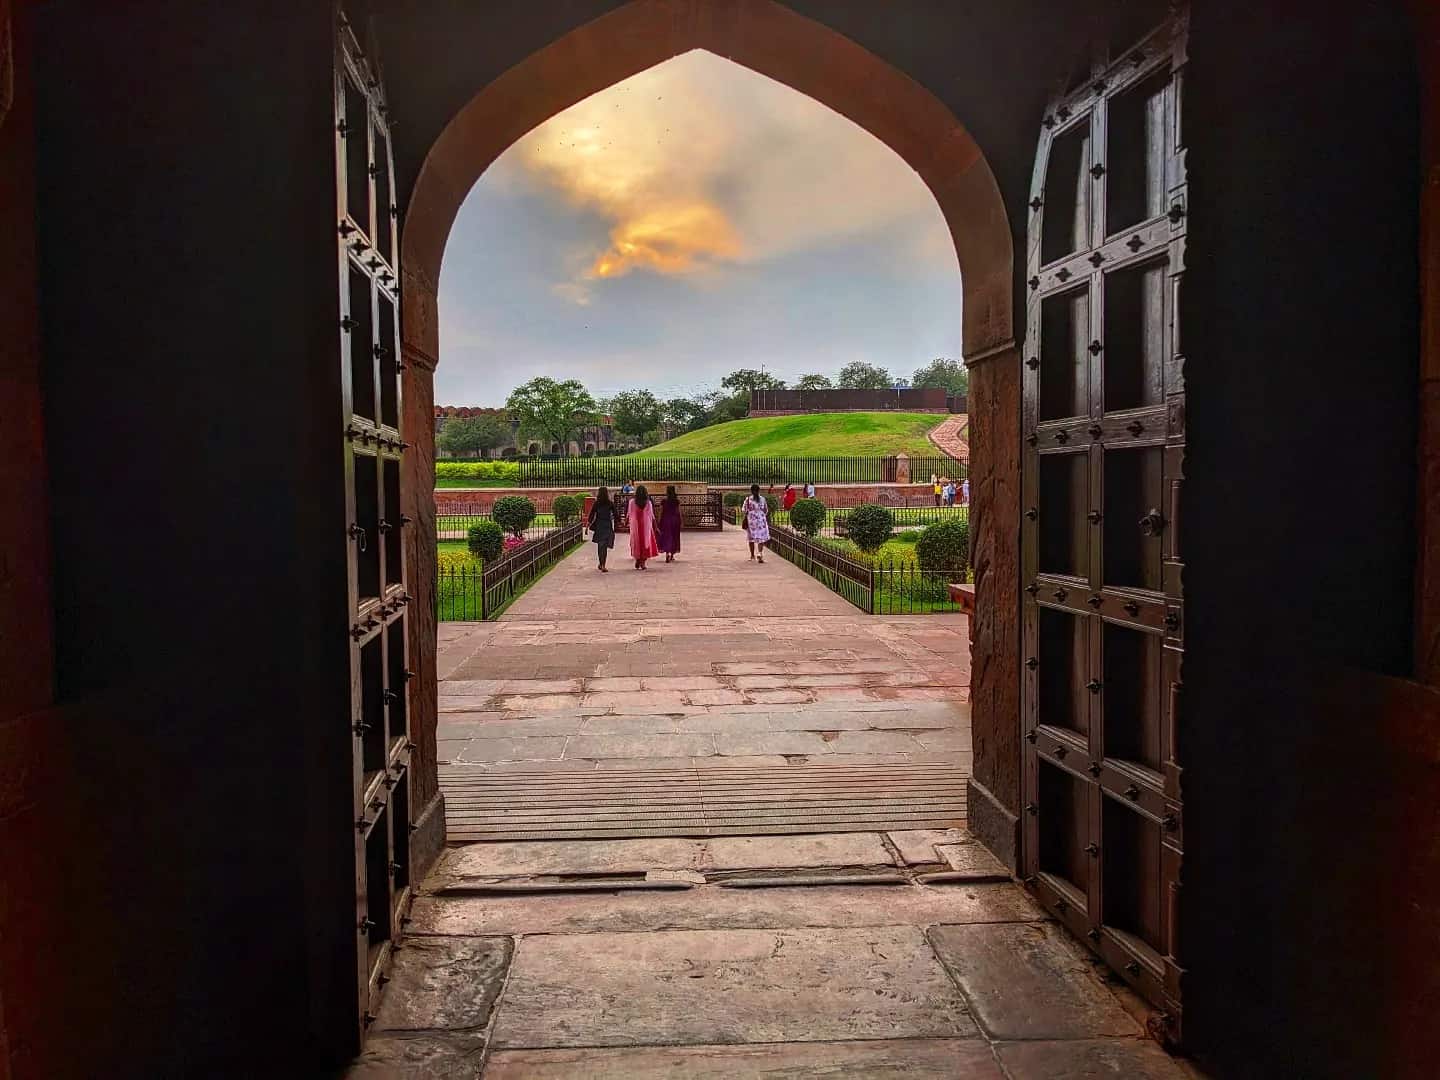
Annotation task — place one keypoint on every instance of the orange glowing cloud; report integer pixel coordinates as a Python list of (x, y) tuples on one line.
[(669, 240)]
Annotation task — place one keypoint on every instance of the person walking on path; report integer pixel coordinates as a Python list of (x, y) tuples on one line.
[(757, 523), (788, 499), (965, 492), (809, 490), (602, 522), (669, 528), (642, 527), (935, 483)]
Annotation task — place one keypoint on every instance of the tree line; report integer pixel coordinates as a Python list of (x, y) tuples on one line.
[(555, 411)]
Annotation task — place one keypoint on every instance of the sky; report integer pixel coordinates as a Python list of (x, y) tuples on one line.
[(693, 219)]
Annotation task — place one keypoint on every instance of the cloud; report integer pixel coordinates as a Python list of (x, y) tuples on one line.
[(697, 163)]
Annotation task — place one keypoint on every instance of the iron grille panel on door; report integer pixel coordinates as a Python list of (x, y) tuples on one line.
[(375, 529), (1103, 419)]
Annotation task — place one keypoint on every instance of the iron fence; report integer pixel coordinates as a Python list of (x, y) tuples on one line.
[(481, 593), (580, 471), (879, 585), (456, 523), (697, 511)]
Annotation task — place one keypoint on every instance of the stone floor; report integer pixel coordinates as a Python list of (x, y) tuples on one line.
[(741, 958), (888, 954), (712, 658)]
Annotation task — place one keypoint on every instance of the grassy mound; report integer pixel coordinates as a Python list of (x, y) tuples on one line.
[(871, 434)]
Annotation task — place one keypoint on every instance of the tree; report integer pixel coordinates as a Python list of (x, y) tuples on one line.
[(472, 435), (814, 382), (679, 414), (635, 412), (747, 379), (550, 409), (858, 376), (950, 375)]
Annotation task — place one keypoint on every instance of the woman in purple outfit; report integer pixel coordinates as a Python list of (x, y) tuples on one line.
[(669, 526)]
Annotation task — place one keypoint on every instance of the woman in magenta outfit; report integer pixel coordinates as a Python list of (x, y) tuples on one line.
[(642, 528), (669, 527)]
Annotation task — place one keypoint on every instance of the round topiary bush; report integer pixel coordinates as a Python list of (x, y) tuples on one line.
[(566, 508), (513, 513), (944, 546), (808, 515), (869, 526), (485, 540)]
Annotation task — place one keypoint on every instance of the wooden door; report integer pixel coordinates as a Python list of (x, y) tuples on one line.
[(1104, 427), (371, 446)]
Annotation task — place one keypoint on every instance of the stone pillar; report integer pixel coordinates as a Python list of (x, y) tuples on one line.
[(902, 468)]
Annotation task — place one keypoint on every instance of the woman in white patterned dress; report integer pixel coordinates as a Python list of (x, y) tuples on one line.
[(757, 523)]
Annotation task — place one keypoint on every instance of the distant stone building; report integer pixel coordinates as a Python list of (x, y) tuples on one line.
[(791, 402), (592, 438)]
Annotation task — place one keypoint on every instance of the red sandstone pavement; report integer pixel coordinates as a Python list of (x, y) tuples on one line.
[(951, 438), (711, 659)]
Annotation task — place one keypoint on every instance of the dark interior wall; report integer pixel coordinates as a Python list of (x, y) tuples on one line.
[(189, 310), (1300, 330)]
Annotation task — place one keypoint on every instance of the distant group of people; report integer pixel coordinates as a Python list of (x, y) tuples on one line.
[(652, 531), (656, 530), (946, 491), (788, 497)]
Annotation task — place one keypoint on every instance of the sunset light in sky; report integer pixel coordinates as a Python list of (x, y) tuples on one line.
[(687, 221)]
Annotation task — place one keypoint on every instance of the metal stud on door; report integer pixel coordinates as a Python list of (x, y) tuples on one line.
[(1102, 609), (374, 528)]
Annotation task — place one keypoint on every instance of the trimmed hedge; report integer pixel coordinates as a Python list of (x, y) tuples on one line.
[(479, 473), (869, 526), (566, 508), (808, 516), (513, 513), (944, 545), (485, 540)]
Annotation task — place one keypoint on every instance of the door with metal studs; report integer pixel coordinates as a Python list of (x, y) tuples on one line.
[(1104, 429), (369, 428)]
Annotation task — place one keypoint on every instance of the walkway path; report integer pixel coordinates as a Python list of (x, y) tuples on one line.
[(710, 657), (951, 437), (891, 952)]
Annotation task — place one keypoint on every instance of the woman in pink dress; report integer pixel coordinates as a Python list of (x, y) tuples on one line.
[(642, 528)]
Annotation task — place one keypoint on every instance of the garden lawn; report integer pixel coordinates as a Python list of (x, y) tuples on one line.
[(872, 434)]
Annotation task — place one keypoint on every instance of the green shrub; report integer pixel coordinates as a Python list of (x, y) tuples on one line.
[(566, 508), (733, 499), (485, 540), (483, 473), (944, 545), (909, 536), (513, 513), (869, 526), (808, 515)]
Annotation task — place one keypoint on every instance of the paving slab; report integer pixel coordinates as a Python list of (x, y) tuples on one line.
[(890, 1059), (973, 859), (917, 846), (804, 851), (520, 858), (727, 986), (716, 908), (1030, 982), (444, 983), (874, 742), (641, 746), (1098, 1059), (426, 1056), (632, 725), (770, 742), (722, 720), (540, 748)]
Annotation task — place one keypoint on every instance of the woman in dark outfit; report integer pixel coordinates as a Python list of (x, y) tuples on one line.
[(669, 527), (602, 522)]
